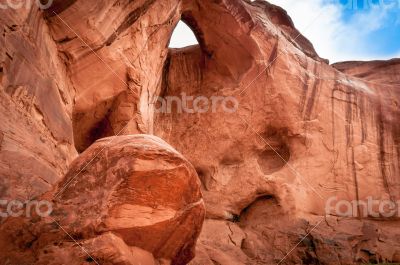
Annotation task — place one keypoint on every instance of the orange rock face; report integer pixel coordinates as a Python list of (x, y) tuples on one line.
[(138, 188), (137, 192), (36, 102), (299, 160)]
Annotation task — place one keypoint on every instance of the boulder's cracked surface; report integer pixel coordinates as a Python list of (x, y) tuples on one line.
[(137, 191), (302, 132)]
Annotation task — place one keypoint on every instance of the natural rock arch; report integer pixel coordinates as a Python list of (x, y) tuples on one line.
[(182, 36)]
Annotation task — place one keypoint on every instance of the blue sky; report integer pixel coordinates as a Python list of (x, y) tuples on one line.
[(385, 40), (341, 30)]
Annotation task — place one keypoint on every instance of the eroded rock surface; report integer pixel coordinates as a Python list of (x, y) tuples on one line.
[(303, 132), (138, 192), (36, 101), (382, 72)]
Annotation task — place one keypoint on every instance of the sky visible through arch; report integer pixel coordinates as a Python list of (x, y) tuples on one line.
[(341, 30), (182, 36)]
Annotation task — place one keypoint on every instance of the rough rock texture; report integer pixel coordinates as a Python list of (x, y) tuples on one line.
[(382, 72), (117, 84), (36, 101), (304, 131), (138, 192)]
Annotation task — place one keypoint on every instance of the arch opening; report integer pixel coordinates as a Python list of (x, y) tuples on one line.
[(182, 36)]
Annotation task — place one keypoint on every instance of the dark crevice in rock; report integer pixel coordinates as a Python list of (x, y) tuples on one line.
[(165, 75), (100, 130), (203, 177), (206, 177), (9, 56), (189, 20), (215, 262), (309, 256), (58, 6), (66, 39), (91, 126), (130, 20), (259, 203), (257, 219), (13, 27)]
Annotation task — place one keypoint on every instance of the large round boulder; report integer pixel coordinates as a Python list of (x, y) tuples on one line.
[(138, 188)]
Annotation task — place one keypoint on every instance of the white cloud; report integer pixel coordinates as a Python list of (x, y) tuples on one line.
[(321, 21), (323, 24)]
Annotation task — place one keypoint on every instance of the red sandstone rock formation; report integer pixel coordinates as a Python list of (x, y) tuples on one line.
[(304, 132), (122, 193)]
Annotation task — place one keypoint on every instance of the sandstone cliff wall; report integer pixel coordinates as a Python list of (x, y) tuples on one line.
[(301, 131)]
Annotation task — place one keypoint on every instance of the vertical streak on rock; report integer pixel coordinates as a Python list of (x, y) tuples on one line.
[(311, 101), (335, 87), (355, 177), (273, 56), (1, 74), (396, 139), (163, 92), (165, 75), (305, 89), (364, 128), (351, 98), (1, 139), (349, 116), (381, 144)]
